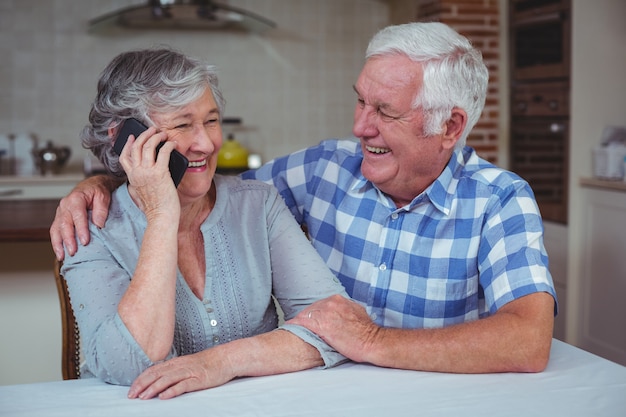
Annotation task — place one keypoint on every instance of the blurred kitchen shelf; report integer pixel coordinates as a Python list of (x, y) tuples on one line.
[(606, 184)]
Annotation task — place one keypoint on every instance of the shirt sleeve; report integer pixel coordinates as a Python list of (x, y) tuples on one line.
[(300, 278), (96, 284), (512, 258)]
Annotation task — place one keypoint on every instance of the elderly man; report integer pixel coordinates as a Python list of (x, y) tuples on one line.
[(441, 251)]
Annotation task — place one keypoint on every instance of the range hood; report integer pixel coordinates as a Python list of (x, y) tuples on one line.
[(183, 14)]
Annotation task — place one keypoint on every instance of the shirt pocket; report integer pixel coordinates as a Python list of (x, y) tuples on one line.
[(439, 302)]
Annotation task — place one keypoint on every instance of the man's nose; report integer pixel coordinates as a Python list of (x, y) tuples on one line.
[(364, 122)]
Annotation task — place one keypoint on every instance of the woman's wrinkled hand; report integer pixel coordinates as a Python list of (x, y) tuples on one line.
[(151, 184), (179, 375)]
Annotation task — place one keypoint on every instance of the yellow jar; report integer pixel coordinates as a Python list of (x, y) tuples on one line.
[(232, 154)]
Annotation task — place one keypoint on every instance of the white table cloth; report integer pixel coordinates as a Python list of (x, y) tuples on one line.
[(576, 383)]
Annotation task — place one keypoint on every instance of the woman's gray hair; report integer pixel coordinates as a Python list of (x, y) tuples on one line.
[(139, 83), (454, 72)]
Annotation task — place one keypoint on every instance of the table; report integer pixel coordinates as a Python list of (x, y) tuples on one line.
[(576, 383)]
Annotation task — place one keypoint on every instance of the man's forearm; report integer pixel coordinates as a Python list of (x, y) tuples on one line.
[(505, 342), (108, 181)]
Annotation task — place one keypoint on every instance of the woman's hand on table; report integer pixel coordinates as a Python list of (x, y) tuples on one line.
[(182, 374), (270, 353)]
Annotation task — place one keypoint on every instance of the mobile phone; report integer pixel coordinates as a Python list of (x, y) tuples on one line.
[(178, 162)]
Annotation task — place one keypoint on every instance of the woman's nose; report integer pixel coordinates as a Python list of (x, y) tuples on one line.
[(207, 139)]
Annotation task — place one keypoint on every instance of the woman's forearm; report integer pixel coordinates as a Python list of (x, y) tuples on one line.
[(270, 353), (148, 306)]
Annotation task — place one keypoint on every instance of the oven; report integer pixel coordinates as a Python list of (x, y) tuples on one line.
[(540, 89), (539, 143), (539, 149), (541, 46)]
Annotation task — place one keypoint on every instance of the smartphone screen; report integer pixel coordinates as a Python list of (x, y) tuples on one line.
[(178, 162)]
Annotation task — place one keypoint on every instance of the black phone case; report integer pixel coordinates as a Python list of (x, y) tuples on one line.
[(178, 162)]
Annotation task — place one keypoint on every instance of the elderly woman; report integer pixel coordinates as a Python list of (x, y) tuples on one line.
[(177, 292)]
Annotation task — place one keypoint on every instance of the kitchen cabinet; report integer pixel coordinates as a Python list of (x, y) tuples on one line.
[(30, 316), (26, 220), (602, 306)]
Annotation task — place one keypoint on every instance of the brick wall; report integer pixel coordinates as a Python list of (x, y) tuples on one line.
[(478, 21)]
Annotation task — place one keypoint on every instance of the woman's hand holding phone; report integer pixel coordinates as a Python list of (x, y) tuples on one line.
[(148, 173), (177, 163)]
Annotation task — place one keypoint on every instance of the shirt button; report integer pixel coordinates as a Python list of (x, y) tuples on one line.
[(209, 310), (374, 316), (216, 339), (394, 216), (213, 322), (382, 267)]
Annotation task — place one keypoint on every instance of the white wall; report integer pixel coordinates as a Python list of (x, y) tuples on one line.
[(598, 99), (291, 85)]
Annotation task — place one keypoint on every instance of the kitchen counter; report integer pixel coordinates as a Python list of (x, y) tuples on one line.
[(28, 205), (26, 220), (605, 184), (38, 187)]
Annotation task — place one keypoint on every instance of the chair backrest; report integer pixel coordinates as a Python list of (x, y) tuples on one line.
[(70, 354)]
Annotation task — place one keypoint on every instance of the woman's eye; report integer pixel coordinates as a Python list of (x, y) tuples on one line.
[(211, 121)]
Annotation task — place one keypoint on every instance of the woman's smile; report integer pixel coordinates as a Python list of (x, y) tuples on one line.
[(197, 164)]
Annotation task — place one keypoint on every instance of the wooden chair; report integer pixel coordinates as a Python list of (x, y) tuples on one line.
[(70, 354)]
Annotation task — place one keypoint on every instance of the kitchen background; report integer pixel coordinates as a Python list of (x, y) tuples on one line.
[(292, 87)]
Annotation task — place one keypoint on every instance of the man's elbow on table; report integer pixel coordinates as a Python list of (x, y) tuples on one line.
[(534, 358), (533, 336)]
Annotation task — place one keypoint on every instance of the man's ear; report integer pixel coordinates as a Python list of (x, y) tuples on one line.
[(454, 128)]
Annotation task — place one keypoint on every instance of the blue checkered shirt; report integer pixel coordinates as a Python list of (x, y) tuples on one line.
[(466, 246)]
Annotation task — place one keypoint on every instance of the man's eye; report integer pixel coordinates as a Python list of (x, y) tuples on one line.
[(361, 102), (182, 126), (212, 121), (384, 116)]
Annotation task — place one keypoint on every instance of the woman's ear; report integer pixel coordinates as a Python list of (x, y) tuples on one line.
[(454, 128)]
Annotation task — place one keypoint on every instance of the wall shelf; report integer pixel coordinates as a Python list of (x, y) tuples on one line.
[(605, 184)]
